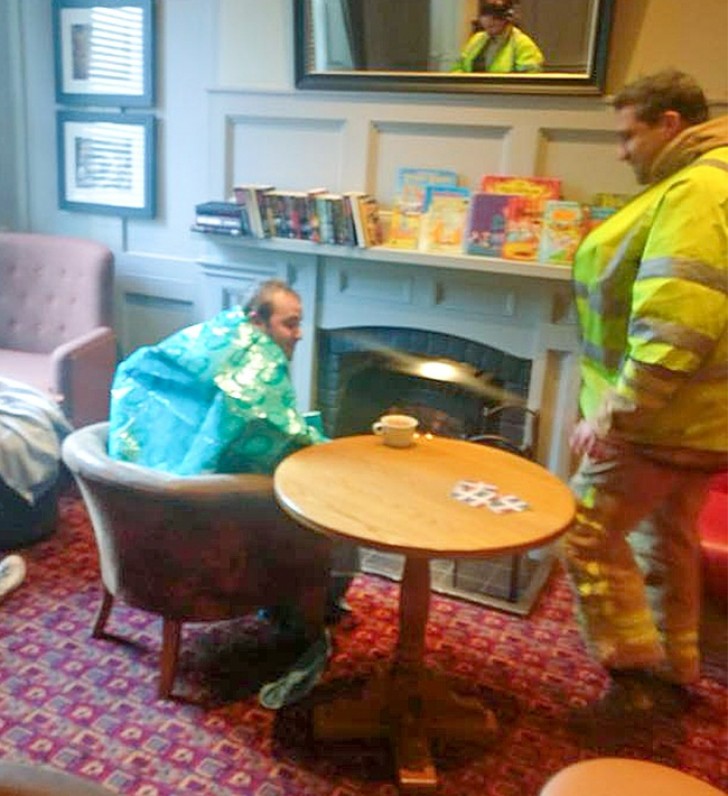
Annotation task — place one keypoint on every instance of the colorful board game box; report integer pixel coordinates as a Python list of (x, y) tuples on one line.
[(538, 188), (486, 226)]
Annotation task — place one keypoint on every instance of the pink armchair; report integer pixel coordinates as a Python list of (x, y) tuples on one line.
[(56, 297)]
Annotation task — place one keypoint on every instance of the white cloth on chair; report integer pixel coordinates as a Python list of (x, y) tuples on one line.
[(32, 428)]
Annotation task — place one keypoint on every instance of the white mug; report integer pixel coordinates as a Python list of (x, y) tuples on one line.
[(397, 431)]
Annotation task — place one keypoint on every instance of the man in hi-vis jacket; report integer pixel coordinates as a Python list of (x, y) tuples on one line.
[(651, 286)]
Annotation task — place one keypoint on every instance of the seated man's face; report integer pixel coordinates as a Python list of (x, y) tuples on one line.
[(284, 324)]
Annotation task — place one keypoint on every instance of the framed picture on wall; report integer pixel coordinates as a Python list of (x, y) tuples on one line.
[(106, 163), (104, 52)]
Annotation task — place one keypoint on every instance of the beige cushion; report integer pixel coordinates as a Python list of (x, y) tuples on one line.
[(20, 779), (614, 776)]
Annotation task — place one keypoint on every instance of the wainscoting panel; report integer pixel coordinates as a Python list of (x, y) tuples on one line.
[(469, 150), (564, 153), (385, 284), (149, 310), (302, 153)]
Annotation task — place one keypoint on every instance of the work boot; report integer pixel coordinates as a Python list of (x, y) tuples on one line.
[(634, 701)]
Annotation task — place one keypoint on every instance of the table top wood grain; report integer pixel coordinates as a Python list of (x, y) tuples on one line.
[(400, 499)]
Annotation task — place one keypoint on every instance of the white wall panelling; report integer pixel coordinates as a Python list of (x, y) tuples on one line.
[(302, 153)]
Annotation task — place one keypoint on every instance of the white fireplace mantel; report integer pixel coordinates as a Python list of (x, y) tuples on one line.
[(521, 308)]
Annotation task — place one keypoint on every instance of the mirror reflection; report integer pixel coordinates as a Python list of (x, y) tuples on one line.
[(459, 40)]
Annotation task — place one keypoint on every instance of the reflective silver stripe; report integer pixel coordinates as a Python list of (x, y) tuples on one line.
[(606, 298), (713, 162), (603, 303), (673, 334), (690, 270), (611, 358), (609, 306), (648, 395), (641, 379)]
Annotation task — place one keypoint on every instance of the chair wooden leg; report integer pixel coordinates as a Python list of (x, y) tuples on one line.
[(103, 614), (171, 632)]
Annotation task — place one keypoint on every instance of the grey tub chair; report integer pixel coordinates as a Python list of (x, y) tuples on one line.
[(193, 549)]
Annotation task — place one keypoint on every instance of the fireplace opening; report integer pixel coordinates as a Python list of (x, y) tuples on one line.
[(376, 386), (447, 382)]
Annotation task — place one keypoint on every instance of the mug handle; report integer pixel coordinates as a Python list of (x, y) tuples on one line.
[(378, 427)]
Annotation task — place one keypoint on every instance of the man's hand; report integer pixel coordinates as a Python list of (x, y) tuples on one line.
[(585, 439)]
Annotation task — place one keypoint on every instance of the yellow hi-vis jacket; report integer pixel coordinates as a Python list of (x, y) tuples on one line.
[(517, 53), (651, 287)]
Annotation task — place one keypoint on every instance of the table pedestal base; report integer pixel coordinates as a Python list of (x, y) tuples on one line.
[(409, 708)]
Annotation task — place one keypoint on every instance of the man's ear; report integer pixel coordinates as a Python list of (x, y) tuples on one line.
[(673, 123)]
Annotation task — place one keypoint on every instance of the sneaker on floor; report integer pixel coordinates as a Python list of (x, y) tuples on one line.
[(12, 574)]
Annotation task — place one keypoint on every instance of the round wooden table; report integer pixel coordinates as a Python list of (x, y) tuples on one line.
[(400, 500)]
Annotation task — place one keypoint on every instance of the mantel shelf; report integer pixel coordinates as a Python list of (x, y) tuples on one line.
[(384, 254)]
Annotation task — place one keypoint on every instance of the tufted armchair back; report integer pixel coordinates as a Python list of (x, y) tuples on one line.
[(53, 290), (56, 296)]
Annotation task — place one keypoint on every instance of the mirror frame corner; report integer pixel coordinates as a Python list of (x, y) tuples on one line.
[(591, 83)]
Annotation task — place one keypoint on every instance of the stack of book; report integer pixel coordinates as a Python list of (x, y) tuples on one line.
[(222, 217)]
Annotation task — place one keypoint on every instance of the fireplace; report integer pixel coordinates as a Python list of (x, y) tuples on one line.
[(472, 390)]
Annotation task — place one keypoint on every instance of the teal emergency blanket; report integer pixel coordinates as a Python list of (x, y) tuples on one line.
[(213, 398)]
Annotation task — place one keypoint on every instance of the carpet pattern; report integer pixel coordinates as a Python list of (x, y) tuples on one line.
[(89, 706)]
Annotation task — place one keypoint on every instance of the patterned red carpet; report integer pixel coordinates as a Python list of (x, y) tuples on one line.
[(90, 707)]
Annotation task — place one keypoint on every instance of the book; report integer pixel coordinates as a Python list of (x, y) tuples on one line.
[(598, 214), (215, 230), (523, 228), (561, 232), (352, 198), (412, 182), (314, 230), (443, 223), (248, 197), (371, 223), (485, 230), (610, 200), (229, 209), (404, 229), (336, 225), (220, 216), (540, 189)]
